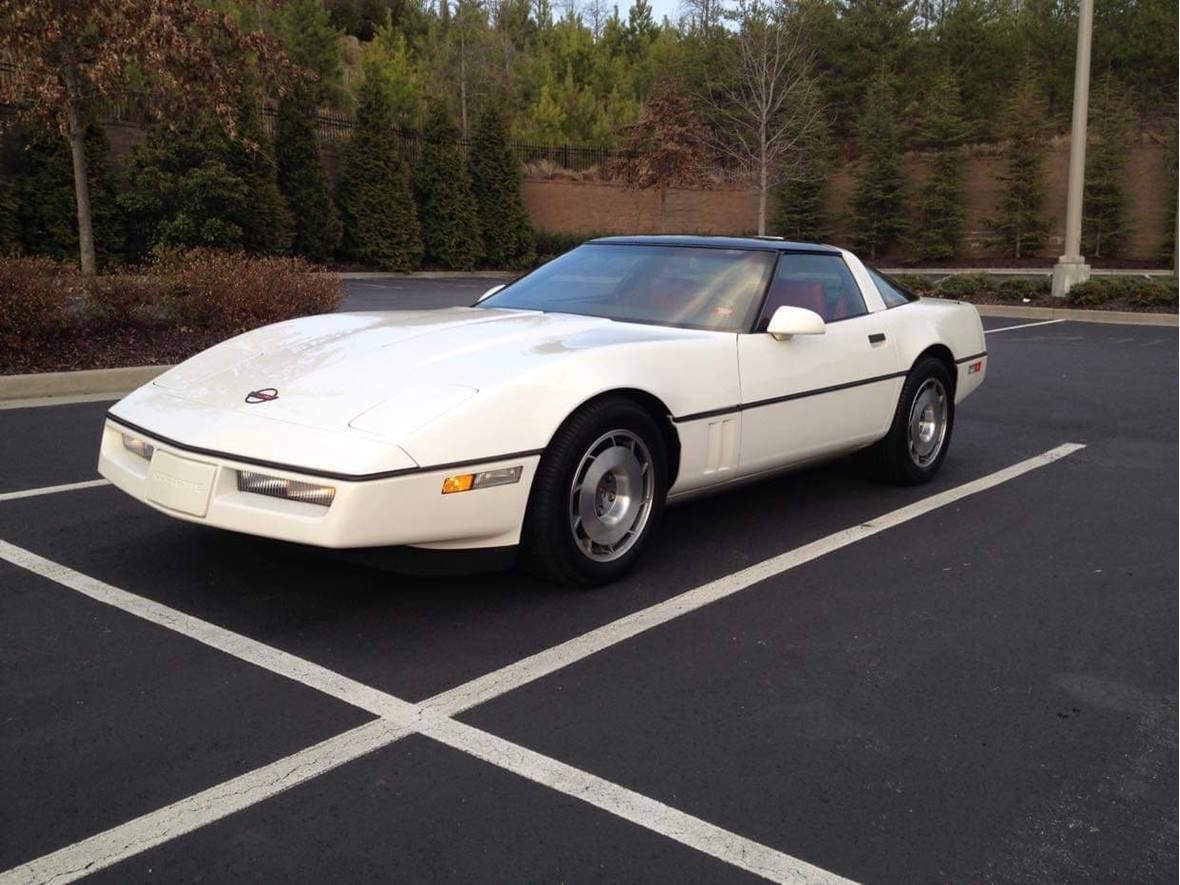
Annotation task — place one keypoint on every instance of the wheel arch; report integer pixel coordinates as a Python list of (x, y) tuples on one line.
[(655, 407), (943, 354)]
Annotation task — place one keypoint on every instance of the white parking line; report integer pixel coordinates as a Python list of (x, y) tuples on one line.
[(432, 717), (175, 820), (53, 490), (512, 676), (1021, 326), (651, 814)]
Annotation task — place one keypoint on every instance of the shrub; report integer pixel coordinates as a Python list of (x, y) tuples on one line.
[(124, 298), (36, 299), (231, 293), (965, 285), (1105, 291), (1019, 289), (915, 283)]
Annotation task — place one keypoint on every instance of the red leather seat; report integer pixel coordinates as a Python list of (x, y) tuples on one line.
[(794, 293)]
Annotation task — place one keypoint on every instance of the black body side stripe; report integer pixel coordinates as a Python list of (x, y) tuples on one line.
[(974, 356), (311, 471), (741, 407)]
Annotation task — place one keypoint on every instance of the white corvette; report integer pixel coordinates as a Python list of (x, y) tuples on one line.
[(559, 413)]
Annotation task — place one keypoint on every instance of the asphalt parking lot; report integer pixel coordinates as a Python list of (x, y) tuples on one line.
[(813, 678)]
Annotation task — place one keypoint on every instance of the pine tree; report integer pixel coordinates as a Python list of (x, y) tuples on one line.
[(878, 199), (302, 179), (802, 201), (1104, 224), (195, 186), (372, 190), (496, 185), (312, 42), (48, 210), (942, 132), (268, 227), (1019, 227), (442, 190)]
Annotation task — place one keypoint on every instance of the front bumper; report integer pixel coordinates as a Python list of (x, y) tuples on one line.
[(409, 509)]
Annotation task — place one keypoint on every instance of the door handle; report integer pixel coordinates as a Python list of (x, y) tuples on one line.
[(876, 338)]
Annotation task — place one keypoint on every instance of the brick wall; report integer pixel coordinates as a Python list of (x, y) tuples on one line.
[(604, 207)]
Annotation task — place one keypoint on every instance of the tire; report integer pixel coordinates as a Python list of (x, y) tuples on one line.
[(594, 505), (920, 435)]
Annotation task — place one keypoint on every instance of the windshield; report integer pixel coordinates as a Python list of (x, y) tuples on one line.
[(697, 288)]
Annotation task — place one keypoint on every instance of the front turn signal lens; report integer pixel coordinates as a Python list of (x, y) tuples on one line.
[(465, 482), (461, 483)]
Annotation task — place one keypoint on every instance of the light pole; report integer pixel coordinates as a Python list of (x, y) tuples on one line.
[(1071, 268)]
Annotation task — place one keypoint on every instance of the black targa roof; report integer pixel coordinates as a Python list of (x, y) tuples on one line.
[(765, 244)]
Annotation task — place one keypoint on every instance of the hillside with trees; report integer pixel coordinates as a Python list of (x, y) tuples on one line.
[(777, 95)]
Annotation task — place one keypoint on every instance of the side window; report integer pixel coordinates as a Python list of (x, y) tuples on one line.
[(891, 293), (815, 281)]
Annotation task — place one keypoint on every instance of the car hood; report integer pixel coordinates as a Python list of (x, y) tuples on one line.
[(383, 374)]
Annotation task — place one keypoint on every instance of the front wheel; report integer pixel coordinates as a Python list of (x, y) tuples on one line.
[(598, 495), (918, 440)]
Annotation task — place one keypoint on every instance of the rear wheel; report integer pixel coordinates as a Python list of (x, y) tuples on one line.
[(598, 495), (918, 440)]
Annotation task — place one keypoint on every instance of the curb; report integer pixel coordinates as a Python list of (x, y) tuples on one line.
[(45, 385), (1111, 317), (1025, 271), (430, 275)]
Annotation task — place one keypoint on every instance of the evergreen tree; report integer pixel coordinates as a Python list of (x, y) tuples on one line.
[(302, 179), (9, 217), (268, 227), (878, 199), (194, 186), (48, 209), (1019, 226), (942, 133), (442, 189), (496, 185), (372, 190), (1104, 224), (312, 42), (802, 213)]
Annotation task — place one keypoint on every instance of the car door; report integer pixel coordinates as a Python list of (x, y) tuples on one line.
[(811, 396)]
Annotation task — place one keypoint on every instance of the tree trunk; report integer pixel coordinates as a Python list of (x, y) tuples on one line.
[(81, 188), (762, 173)]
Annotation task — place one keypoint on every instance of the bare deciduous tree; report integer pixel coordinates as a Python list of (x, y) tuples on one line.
[(768, 113), (703, 14), (597, 12)]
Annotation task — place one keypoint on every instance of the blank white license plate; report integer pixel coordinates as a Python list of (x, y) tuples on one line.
[(180, 483)]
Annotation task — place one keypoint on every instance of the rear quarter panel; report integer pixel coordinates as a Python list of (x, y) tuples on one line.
[(956, 325)]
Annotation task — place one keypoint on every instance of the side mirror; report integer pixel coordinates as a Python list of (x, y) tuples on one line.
[(788, 321), (490, 292)]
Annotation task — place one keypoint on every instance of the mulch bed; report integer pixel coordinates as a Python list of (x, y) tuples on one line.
[(103, 347)]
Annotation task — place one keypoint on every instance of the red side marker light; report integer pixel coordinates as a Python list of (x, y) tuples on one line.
[(976, 366)]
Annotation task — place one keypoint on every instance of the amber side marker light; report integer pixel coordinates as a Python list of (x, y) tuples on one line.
[(465, 482)]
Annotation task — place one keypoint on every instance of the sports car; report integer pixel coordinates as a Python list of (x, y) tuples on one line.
[(559, 414)]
